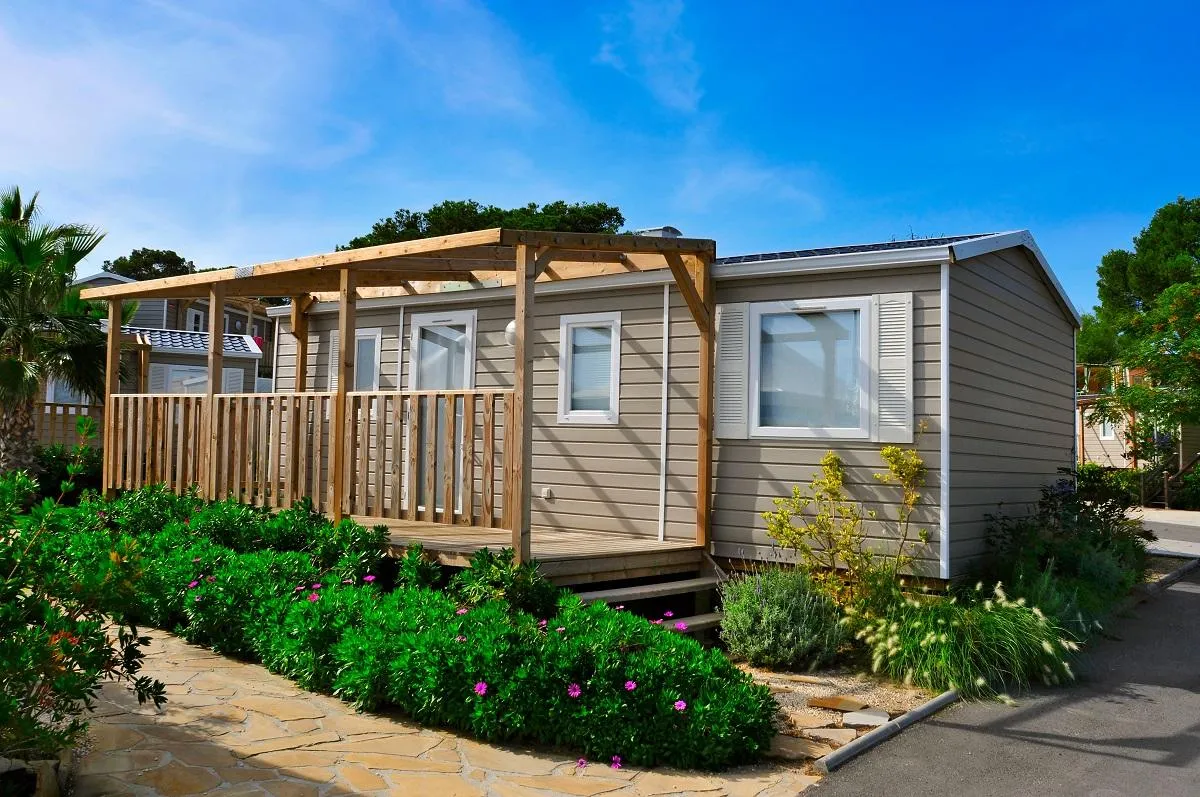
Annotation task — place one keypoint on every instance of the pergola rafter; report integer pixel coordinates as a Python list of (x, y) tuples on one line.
[(493, 257)]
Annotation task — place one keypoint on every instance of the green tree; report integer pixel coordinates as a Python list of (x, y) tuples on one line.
[(46, 330), (1096, 341), (145, 264), (455, 216)]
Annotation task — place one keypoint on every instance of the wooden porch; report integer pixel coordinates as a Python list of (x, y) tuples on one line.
[(451, 469)]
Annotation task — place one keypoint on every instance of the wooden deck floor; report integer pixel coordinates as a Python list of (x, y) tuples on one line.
[(566, 557)]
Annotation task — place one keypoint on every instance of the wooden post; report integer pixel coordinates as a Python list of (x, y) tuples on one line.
[(337, 455), (216, 361), (112, 376), (704, 412), (143, 367), (521, 461), (300, 331)]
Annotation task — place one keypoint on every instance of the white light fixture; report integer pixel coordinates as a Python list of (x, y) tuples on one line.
[(510, 333)]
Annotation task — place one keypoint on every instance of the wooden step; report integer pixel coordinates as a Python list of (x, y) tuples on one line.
[(698, 623), (646, 591)]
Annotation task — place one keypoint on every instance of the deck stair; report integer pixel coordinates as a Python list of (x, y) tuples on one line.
[(703, 586)]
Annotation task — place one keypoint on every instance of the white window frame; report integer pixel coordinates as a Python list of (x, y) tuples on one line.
[(369, 333), (566, 325), (866, 381), (418, 321), (1106, 431), (194, 315)]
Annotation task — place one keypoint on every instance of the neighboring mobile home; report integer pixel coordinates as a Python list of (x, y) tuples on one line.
[(961, 346)]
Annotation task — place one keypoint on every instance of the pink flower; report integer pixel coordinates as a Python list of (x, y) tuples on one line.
[(460, 612), (193, 585), (616, 762), (347, 581), (313, 597), (619, 607), (574, 691), (560, 629), (581, 763), (680, 705), (368, 579), (630, 686), (656, 622), (668, 614), (197, 559), (197, 599), (316, 586), (681, 626), (298, 589), (460, 638), (481, 688), (542, 623)]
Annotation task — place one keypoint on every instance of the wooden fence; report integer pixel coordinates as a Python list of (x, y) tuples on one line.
[(54, 422), (433, 456)]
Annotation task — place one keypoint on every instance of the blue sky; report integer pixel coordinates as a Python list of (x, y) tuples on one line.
[(238, 132)]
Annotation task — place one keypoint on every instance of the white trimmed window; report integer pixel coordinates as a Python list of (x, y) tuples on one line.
[(59, 392), (589, 368), (367, 345), (442, 351), (834, 369), (1106, 431), (195, 320)]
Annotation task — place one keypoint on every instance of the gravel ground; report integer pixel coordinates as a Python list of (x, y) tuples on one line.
[(793, 690)]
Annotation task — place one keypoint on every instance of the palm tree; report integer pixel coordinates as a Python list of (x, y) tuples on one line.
[(46, 330)]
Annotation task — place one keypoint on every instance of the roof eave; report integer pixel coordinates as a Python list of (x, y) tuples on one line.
[(1017, 239)]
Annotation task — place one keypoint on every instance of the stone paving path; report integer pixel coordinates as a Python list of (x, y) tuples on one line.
[(233, 728)]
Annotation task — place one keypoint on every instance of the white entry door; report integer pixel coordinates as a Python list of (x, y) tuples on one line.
[(441, 357)]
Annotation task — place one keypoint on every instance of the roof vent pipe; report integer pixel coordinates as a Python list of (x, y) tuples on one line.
[(660, 232)]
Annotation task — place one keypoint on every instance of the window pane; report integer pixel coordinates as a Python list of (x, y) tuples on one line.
[(809, 370), (591, 368), (441, 357), (62, 393), (364, 364)]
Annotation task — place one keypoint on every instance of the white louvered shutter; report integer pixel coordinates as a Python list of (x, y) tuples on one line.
[(334, 358), (232, 380), (732, 388), (894, 368), (157, 382)]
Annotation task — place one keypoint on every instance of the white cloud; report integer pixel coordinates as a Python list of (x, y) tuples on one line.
[(646, 42)]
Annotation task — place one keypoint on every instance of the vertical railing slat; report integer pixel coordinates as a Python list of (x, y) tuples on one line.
[(467, 469), (488, 509)]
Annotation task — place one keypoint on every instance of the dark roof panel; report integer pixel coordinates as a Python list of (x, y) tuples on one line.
[(883, 246), (182, 340)]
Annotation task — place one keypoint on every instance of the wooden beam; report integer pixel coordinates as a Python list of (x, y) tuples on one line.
[(521, 474), (143, 369), (689, 289), (704, 413), (216, 360), (337, 455), (612, 243), (112, 384), (299, 324)]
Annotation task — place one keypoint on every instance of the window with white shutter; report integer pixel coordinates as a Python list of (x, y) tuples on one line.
[(732, 370), (157, 383), (589, 368), (894, 368), (334, 360), (232, 380)]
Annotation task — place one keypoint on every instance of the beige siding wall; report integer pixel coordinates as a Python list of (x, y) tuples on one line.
[(750, 473), (1012, 394), (1107, 452)]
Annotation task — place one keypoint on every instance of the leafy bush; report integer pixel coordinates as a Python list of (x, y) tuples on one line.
[(976, 646), (1125, 483), (149, 510), (52, 464), (495, 576), (776, 617), (601, 681), (232, 524), (417, 569)]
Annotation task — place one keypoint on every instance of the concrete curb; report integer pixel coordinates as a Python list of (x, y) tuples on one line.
[(1153, 588), (829, 763)]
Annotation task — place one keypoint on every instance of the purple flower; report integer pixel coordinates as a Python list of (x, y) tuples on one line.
[(193, 585), (574, 691), (460, 612), (347, 581), (680, 705), (668, 614), (616, 762), (316, 586), (581, 763), (460, 638), (541, 623), (197, 599), (368, 579), (656, 622), (630, 686), (481, 688), (681, 626), (313, 597), (298, 589)]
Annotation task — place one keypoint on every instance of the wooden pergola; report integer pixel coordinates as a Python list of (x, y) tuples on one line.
[(486, 258)]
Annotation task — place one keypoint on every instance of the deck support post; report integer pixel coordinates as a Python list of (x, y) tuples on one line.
[(210, 460), (704, 414), (338, 430), (112, 378), (521, 458), (300, 331), (143, 369)]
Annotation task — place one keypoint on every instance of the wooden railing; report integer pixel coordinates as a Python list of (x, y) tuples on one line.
[(54, 422), (403, 458)]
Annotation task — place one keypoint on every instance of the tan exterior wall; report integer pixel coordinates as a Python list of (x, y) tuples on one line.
[(1107, 452), (1012, 394)]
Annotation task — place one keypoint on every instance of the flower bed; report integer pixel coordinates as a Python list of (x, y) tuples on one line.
[(311, 601)]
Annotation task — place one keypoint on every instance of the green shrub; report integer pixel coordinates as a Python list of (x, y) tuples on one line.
[(295, 528), (232, 524), (496, 576), (148, 510), (598, 680), (776, 617), (52, 464), (349, 549), (417, 569), (1124, 483), (976, 646)]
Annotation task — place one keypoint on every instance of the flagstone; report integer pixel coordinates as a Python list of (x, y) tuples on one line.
[(360, 778), (794, 748), (434, 786), (176, 779), (257, 728), (651, 783), (112, 737), (285, 743), (247, 773), (291, 788), (837, 703), (399, 763), (201, 754), (408, 744), (834, 736), (313, 774), (353, 724), (791, 786), (121, 761), (278, 708), (568, 784), (286, 759), (302, 726), (497, 759)]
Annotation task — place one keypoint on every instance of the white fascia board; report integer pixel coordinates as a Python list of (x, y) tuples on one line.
[(846, 261), (1008, 240), (102, 274), (229, 355)]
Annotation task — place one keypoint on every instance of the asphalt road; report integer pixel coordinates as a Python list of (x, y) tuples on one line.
[(1131, 726)]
